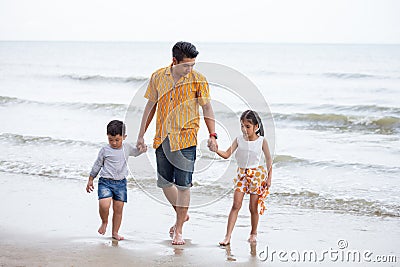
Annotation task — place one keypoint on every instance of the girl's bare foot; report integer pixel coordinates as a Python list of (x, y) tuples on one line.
[(252, 238), (118, 237), (178, 239), (172, 229), (103, 228), (226, 241)]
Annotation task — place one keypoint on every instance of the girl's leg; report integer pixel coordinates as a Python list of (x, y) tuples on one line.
[(237, 204), (118, 206), (104, 207), (253, 206)]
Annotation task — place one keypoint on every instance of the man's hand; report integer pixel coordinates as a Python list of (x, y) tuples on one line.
[(140, 145), (212, 144)]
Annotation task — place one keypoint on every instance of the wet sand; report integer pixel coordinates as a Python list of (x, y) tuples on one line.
[(54, 222)]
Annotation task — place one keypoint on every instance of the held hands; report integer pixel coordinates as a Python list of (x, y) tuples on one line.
[(140, 145), (212, 144)]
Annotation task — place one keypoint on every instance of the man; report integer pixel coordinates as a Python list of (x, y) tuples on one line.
[(176, 92)]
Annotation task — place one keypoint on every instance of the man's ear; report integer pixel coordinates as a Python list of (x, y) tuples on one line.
[(174, 61)]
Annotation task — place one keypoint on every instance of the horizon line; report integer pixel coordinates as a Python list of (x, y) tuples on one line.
[(205, 42)]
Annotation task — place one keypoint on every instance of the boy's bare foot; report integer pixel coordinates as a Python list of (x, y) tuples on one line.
[(178, 239), (225, 242), (252, 238), (102, 229), (172, 229), (118, 237)]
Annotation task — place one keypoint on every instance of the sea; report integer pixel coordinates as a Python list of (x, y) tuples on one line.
[(331, 114)]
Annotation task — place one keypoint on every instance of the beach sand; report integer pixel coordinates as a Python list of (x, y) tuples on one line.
[(54, 222)]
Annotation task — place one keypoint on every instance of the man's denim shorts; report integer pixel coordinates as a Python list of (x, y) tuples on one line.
[(175, 167), (112, 188)]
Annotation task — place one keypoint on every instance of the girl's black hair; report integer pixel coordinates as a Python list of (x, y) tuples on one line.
[(184, 49), (253, 117), (116, 127)]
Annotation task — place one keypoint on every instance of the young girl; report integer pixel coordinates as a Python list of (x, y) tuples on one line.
[(252, 178)]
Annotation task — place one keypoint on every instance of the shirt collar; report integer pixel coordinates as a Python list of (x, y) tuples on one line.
[(168, 72)]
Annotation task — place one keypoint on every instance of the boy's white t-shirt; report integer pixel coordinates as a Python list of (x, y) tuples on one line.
[(249, 153), (111, 162)]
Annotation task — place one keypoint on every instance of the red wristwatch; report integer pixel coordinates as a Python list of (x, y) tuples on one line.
[(215, 135)]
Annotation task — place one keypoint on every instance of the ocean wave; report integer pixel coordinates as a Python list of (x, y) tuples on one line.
[(102, 78), (288, 160), (332, 75), (314, 121), (213, 192), (314, 200), (346, 76), (367, 109), (5, 100), (44, 140), (113, 107), (49, 170)]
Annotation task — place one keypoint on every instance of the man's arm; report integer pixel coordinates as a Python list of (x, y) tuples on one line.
[(148, 114), (209, 119)]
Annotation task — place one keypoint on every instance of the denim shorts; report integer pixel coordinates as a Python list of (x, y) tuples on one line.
[(112, 188), (175, 167)]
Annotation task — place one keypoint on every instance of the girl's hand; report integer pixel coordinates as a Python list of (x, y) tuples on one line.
[(268, 182)]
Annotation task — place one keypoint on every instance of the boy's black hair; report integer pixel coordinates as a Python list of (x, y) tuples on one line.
[(252, 116), (116, 127), (184, 49)]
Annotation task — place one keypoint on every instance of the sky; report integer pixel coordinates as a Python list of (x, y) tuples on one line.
[(278, 21)]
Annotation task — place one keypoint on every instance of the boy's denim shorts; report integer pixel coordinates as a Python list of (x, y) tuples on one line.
[(175, 167), (112, 188)]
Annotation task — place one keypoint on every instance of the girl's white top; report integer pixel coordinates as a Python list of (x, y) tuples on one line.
[(249, 153)]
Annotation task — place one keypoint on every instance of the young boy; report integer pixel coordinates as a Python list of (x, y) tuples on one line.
[(112, 165)]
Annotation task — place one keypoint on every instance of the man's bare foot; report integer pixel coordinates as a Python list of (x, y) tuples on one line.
[(172, 229), (118, 237), (103, 228), (226, 241), (178, 239), (252, 238)]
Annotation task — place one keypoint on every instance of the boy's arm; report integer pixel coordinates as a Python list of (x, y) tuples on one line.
[(226, 154), (95, 170), (268, 159), (134, 151)]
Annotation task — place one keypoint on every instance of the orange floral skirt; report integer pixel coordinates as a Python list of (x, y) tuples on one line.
[(253, 181)]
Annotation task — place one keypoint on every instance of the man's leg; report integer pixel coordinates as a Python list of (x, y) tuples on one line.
[(182, 207), (171, 193)]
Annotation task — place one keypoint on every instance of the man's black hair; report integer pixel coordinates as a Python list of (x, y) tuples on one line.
[(184, 49)]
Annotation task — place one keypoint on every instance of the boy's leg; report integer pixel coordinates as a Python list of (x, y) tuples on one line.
[(118, 207), (253, 206), (233, 214), (104, 207)]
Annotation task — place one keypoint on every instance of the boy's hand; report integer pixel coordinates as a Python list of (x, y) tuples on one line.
[(89, 186)]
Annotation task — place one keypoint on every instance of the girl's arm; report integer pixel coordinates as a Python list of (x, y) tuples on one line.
[(226, 154), (268, 159)]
